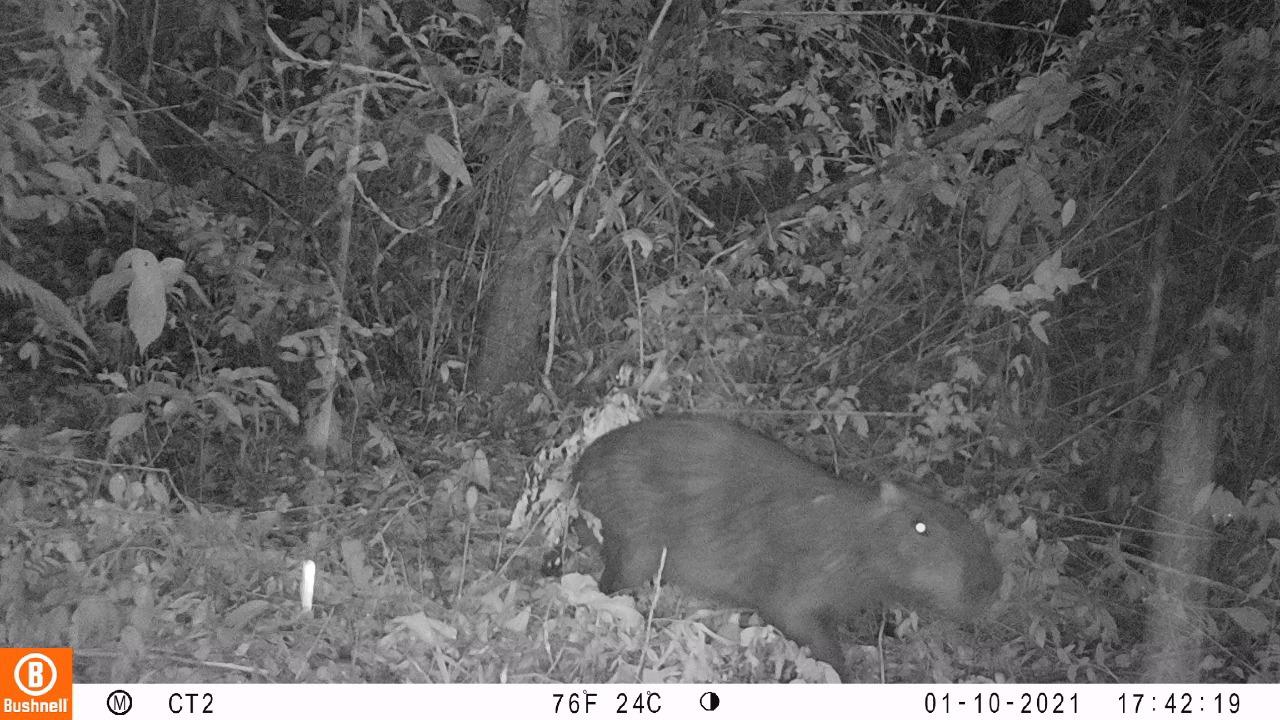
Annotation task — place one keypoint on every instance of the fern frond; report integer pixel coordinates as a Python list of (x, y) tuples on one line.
[(47, 305)]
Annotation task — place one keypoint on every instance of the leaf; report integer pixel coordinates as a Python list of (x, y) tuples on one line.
[(238, 329), (171, 269), (597, 143), (30, 354), (195, 288), (26, 207), (1260, 586), (475, 471), (56, 210), (447, 157), (156, 490), (227, 409), (860, 424), (1250, 620), (69, 176), (108, 160), (581, 589), (812, 275), (996, 296), (518, 623), (231, 23), (1050, 275), (272, 393), (1030, 529), (315, 158), (295, 342), (1225, 506), (635, 236), (545, 124), (95, 622), (561, 185), (1003, 202), (147, 306), (48, 306), (429, 630), (479, 9), (118, 486), (127, 258), (852, 232), (353, 557), (1036, 321), (115, 378), (122, 427), (134, 492), (240, 618), (106, 286)]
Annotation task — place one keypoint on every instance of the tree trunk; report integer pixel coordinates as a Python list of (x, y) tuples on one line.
[(516, 304)]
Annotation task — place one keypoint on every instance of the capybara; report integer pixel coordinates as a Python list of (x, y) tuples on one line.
[(747, 522)]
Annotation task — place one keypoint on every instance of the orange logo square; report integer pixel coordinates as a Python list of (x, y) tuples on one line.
[(35, 683)]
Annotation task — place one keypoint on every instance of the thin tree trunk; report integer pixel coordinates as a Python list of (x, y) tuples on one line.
[(516, 305)]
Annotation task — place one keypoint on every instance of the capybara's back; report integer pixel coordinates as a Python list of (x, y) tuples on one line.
[(747, 522)]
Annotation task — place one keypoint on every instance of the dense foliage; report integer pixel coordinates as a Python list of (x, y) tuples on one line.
[(248, 253)]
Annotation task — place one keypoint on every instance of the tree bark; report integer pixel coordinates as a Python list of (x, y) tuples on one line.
[(516, 304)]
